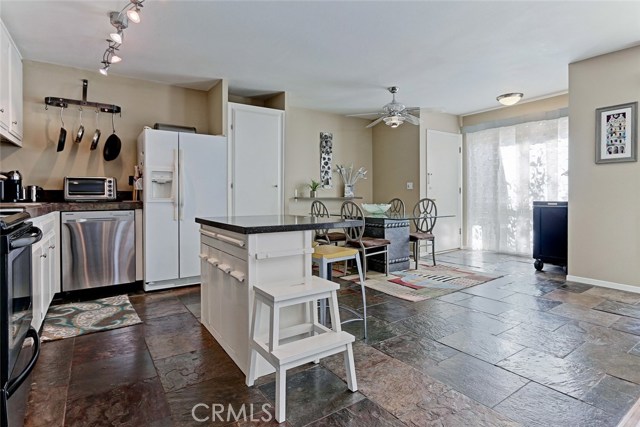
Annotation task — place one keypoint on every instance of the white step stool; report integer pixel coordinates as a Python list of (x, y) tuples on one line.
[(320, 341)]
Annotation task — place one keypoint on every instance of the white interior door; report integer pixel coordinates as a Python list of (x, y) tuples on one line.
[(444, 185), (203, 192), (256, 140)]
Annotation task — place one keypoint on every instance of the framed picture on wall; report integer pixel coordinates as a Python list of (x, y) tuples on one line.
[(616, 133)]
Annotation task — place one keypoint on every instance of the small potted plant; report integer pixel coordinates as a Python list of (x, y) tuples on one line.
[(314, 188)]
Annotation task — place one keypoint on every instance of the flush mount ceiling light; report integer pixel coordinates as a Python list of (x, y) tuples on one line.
[(120, 21), (510, 98)]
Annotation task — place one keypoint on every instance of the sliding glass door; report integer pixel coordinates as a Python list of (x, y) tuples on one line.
[(507, 168)]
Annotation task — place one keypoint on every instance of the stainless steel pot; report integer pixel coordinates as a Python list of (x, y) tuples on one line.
[(33, 193)]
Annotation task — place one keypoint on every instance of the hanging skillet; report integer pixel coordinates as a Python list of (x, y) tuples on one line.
[(96, 134), (80, 133), (63, 133), (112, 145)]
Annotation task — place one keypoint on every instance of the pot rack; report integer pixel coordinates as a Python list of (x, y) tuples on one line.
[(65, 102)]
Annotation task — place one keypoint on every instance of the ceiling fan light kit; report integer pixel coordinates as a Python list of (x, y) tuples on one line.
[(393, 114), (510, 98), (120, 21)]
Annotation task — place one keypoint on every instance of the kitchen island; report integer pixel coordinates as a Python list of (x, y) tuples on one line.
[(237, 253)]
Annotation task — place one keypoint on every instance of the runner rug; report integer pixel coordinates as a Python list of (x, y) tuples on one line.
[(424, 283), (80, 318)]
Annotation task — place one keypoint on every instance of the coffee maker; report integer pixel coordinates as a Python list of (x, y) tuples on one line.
[(12, 186)]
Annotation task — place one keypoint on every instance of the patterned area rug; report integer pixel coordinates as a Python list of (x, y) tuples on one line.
[(424, 283), (80, 318)]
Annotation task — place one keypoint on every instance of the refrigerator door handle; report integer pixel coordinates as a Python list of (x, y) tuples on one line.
[(174, 194), (181, 180)]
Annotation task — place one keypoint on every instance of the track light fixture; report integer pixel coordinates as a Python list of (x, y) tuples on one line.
[(120, 21)]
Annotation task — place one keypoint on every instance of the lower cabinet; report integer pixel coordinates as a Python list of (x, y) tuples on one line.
[(45, 266), (231, 264)]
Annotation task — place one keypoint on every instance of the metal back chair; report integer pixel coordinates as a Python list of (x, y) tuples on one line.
[(325, 236), (397, 207), (425, 215), (368, 246), (319, 210)]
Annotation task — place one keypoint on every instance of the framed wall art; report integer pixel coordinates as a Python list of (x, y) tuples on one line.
[(326, 157), (617, 134)]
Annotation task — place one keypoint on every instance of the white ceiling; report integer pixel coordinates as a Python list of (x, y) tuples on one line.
[(338, 56)]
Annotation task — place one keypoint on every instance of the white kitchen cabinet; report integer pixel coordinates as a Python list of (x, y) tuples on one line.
[(11, 80), (232, 263), (45, 266)]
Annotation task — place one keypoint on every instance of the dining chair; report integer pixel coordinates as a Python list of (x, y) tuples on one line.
[(325, 256), (368, 246), (397, 207), (425, 215), (324, 236)]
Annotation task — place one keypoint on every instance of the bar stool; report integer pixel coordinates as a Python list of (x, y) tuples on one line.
[(324, 256), (320, 341)]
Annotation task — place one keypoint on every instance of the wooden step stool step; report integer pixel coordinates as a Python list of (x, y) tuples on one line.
[(320, 341)]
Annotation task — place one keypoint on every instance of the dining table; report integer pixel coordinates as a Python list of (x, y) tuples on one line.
[(394, 227)]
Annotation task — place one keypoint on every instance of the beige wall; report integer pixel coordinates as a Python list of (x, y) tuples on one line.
[(604, 200), (143, 104), (217, 99), (400, 156), (351, 145), (395, 162)]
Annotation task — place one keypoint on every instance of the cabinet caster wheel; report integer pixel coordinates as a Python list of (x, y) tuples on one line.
[(538, 265)]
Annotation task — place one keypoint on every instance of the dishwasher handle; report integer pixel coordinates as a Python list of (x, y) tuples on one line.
[(67, 221)]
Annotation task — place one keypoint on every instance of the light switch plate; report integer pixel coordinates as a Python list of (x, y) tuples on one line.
[(409, 185)]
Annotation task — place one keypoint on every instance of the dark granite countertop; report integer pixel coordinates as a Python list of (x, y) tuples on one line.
[(274, 223), (39, 209)]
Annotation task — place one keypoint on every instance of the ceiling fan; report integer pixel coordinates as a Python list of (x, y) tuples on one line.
[(393, 114)]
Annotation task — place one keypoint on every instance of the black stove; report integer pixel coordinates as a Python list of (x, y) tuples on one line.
[(17, 235)]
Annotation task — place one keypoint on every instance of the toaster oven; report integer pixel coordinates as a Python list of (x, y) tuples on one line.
[(89, 188)]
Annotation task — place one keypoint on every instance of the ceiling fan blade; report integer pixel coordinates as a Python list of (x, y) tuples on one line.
[(411, 119), (373, 123), (377, 113)]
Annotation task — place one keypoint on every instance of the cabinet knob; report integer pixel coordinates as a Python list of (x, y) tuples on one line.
[(15, 123), (1, 110), (43, 255), (52, 247)]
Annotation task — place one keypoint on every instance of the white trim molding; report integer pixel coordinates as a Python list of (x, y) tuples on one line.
[(604, 284)]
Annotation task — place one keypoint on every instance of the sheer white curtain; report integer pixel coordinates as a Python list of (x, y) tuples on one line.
[(507, 169)]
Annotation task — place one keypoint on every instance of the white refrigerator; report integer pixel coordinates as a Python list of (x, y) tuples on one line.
[(184, 177)]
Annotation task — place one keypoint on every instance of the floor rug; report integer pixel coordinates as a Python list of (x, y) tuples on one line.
[(424, 283), (80, 318)]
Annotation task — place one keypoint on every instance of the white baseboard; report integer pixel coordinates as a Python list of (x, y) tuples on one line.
[(174, 283), (604, 284)]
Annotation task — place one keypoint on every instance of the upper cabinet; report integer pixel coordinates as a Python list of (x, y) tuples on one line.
[(11, 102)]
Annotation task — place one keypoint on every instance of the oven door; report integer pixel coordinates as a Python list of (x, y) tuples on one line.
[(19, 289)]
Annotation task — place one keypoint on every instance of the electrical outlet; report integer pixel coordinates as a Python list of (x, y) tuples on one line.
[(409, 185)]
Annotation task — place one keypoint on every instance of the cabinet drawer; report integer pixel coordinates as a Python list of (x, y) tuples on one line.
[(232, 243)]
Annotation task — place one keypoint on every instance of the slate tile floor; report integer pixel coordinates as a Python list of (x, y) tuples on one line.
[(528, 348)]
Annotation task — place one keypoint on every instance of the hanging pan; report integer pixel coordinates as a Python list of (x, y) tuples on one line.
[(112, 145), (63, 133), (96, 134), (80, 133)]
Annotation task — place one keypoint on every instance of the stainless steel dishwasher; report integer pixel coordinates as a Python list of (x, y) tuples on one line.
[(98, 249)]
